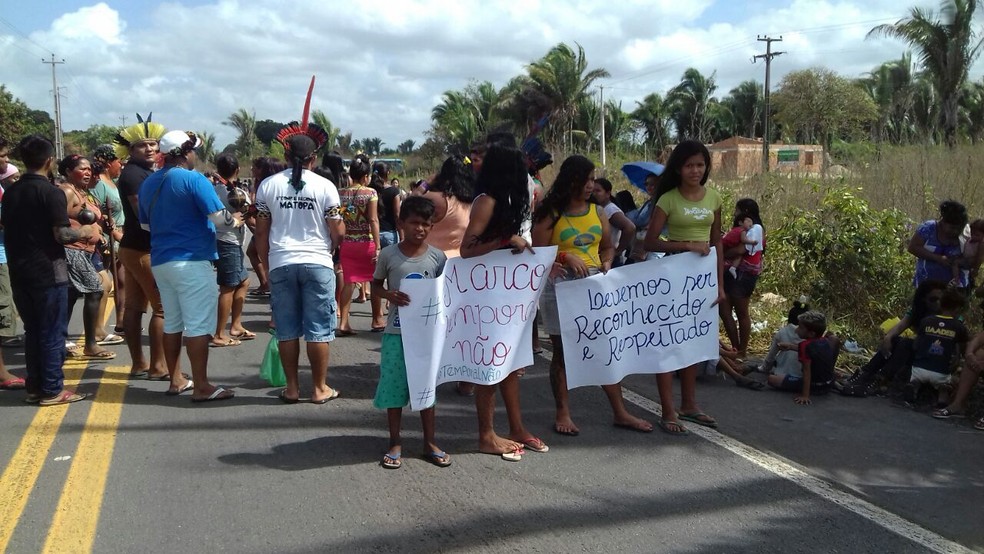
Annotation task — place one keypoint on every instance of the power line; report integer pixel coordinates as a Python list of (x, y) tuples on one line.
[(21, 33)]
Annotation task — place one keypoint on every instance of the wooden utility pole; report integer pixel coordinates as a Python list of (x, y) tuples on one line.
[(59, 142), (769, 54), (602, 87)]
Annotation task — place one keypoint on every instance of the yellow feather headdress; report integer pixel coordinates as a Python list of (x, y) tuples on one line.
[(142, 130)]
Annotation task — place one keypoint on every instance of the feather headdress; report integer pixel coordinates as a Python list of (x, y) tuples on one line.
[(142, 130), (317, 134)]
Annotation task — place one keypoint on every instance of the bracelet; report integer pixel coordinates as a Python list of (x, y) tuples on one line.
[(505, 242), (562, 257)]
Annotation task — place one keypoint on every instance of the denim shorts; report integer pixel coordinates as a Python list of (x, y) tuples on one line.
[(231, 265), (302, 299), (189, 296), (386, 238)]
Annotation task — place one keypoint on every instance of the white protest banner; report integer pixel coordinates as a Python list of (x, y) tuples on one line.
[(474, 323), (649, 317)]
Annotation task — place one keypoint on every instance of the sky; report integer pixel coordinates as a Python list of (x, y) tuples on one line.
[(382, 65)]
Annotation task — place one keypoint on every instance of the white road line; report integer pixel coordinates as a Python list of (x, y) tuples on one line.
[(785, 469)]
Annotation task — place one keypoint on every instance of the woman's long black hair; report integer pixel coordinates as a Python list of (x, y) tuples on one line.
[(456, 178), (504, 179), (573, 174), (671, 177), (747, 207)]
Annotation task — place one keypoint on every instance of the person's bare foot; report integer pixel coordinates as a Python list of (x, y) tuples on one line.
[(565, 426), (631, 422), (497, 445)]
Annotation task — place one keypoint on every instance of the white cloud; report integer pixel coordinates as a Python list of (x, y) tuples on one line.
[(382, 65)]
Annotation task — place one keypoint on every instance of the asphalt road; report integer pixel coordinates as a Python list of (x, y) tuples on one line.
[(134, 470)]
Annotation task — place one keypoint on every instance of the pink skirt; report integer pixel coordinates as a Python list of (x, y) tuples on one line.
[(357, 264)]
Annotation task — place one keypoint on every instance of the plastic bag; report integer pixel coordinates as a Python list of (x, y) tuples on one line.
[(271, 370)]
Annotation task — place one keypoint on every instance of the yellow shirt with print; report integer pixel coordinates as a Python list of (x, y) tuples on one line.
[(580, 235)]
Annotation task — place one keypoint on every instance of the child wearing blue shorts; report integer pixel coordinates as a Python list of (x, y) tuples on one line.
[(411, 258)]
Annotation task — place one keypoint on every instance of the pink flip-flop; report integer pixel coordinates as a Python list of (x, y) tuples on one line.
[(13, 384)]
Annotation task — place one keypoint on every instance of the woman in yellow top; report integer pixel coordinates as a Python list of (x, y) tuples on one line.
[(578, 227), (691, 215)]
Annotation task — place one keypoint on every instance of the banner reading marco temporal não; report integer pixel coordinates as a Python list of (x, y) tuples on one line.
[(649, 317), (474, 323)]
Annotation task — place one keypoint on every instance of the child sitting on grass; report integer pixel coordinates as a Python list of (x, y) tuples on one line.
[(940, 340), (411, 258), (817, 356)]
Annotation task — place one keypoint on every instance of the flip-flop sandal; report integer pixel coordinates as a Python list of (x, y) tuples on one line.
[(673, 428), (228, 342), (947, 413), (218, 394), (535, 444), (979, 424), (165, 377), (566, 433), (248, 335), (187, 387), (631, 427), (140, 375), (439, 458), (334, 394), (66, 397), (110, 340), (391, 461), (513, 456), (346, 333), (15, 383), (283, 398), (104, 355), (700, 418), (378, 329)]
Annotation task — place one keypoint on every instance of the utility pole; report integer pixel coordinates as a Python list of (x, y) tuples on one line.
[(59, 141), (602, 128), (123, 120), (769, 54)]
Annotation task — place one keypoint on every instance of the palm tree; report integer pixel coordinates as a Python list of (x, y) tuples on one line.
[(406, 147), (457, 119), (653, 115), (689, 105), (618, 126), (972, 111), (344, 142), (558, 82), (746, 104), (373, 146), (206, 152), (319, 118), (892, 87), (947, 44), (245, 124)]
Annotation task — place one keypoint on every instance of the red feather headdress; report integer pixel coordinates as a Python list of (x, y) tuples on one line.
[(317, 134)]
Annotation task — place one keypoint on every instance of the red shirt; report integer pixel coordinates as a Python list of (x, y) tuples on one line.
[(750, 263)]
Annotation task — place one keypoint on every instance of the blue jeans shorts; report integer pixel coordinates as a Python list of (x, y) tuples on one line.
[(302, 299), (231, 266), (189, 296)]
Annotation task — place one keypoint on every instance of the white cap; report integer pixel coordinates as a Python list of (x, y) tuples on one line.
[(179, 143)]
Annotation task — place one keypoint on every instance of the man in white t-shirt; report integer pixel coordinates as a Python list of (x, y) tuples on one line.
[(298, 226)]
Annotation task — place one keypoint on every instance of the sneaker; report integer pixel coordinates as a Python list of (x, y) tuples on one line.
[(66, 397)]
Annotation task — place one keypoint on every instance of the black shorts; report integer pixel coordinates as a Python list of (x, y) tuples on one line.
[(741, 287)]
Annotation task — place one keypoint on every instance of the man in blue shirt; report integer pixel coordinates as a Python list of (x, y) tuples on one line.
[(180, 208)]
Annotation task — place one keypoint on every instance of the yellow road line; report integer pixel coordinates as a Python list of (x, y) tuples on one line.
[(22, 471), (77, 514)]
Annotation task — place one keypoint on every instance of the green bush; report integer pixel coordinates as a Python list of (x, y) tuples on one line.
[(848, 258)]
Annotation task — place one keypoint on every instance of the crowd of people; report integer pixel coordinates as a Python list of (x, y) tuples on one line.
[(136, 220)]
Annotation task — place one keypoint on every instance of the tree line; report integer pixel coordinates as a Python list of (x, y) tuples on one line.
[(925, 97)]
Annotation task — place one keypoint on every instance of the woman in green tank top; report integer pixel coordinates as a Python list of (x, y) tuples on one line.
[(691, 214), (580, 231)]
